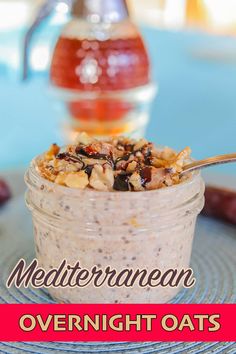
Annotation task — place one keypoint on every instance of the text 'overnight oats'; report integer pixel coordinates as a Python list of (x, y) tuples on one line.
[(118, 164), (114, 204)]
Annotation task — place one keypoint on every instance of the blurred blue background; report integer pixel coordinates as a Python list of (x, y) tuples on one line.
[(196, 104)]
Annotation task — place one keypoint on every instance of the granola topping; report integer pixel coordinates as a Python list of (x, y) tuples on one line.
[(117, 163)]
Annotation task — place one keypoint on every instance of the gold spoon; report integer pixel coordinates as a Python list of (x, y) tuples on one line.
[(196, 165)]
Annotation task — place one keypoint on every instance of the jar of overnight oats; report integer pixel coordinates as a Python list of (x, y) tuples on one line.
[(149, 229)]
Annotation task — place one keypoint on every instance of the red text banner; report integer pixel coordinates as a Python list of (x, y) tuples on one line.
[(187, 323)]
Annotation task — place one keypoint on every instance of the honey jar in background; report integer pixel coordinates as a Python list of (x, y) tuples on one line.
[(100, 71)]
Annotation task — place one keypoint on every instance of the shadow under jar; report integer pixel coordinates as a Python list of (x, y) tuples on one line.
[(135, 230)]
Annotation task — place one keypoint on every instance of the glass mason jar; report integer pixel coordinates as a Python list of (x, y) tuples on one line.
[(134, 230)]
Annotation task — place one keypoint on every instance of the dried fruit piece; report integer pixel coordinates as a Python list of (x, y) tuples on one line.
[(5, 193), (221, 204), (146, 175)]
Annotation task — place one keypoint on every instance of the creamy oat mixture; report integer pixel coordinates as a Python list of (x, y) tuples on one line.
[(152, 229), (120, 164)]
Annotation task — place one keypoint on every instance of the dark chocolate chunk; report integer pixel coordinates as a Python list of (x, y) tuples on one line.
[(121, 182), (88, 169)]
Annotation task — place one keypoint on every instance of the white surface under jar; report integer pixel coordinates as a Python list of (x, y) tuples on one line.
[(135, 230)]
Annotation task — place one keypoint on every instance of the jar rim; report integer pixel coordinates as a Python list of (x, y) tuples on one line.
[(74, 192)]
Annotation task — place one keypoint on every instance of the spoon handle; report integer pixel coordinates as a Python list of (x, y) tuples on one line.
[(196, 165)]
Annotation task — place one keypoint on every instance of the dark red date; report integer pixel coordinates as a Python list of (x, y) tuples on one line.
[(5, 193), (220, 204)]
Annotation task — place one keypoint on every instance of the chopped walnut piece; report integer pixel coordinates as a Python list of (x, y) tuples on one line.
[(52, 152), (102, 178), (170, 180), (157, 162), (64, 166), (131, 167), (47, 173), (136, 181), (60, 179), (140, 144), (117, 163), (122, 163), (165, 154), (158, 176), (96, 150), (176, 165), (77, 180), (184, 154), (84, 139)]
